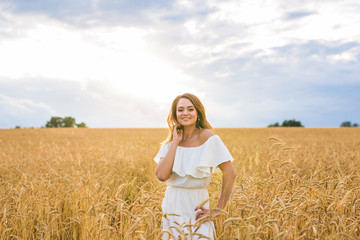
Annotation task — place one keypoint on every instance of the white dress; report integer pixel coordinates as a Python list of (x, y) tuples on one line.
[(187, 186)]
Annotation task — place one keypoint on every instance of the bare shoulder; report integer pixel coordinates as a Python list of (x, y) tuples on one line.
[(205, 134)]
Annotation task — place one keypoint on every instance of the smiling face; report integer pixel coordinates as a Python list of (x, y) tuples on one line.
[(186, 113)]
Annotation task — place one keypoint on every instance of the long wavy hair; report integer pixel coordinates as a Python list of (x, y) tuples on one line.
[(201, 122)]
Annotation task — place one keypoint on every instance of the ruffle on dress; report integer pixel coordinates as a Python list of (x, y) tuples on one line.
[(197, 161)]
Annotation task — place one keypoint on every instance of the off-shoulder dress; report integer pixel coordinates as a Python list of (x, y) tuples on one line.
[(187, 186)]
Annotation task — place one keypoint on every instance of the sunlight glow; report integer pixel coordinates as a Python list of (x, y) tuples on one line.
[(116, 56)]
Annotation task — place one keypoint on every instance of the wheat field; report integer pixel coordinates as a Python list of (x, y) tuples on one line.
[(292, 183)]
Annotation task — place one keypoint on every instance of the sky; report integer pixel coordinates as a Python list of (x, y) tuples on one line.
[(120, 63)]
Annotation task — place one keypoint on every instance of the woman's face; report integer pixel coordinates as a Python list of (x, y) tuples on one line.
[(186, 112)]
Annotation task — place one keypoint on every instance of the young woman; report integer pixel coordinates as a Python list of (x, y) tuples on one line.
[(185, 161)]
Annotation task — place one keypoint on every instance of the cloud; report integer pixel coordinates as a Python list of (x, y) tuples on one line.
[(233, 28), (255, 104), (251, 61), (298, 14), (16, 111), (18, 106), (289, 82), (32, 102), (88, 13), (117, 56), (245, 104)]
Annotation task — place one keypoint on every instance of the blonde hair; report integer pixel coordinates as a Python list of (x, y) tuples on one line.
[(201, 123)]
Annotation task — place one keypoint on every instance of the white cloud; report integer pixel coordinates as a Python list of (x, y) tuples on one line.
[(191, 26), (249, 12), (233, 29), (347, 56), (20, 107), (117, 56), (242, 57)]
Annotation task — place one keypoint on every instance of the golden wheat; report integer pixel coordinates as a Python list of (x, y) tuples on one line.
[(293, 183)]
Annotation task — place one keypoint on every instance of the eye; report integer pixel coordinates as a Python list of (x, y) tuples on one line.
[(180, 110)]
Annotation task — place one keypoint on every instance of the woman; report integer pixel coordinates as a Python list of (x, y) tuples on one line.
[(186, 161)]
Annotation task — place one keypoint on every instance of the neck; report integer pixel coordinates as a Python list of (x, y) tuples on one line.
[(189, 132)]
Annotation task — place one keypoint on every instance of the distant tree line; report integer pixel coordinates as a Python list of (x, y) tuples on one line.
[(66, 122), (18, 127), (348, 124), (287, 123), (294, 123), (59, 122)]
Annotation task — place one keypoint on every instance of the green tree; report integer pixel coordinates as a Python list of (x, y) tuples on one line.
[(274, 125), (291, 123), (59, 122), (346, 124), (55, 122), (287, 123), (69, 122), (81, 125)]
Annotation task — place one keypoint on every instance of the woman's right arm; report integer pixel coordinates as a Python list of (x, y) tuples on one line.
[(164, 167)]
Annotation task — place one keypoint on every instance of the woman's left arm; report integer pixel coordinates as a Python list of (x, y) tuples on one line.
[(228, 180)]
